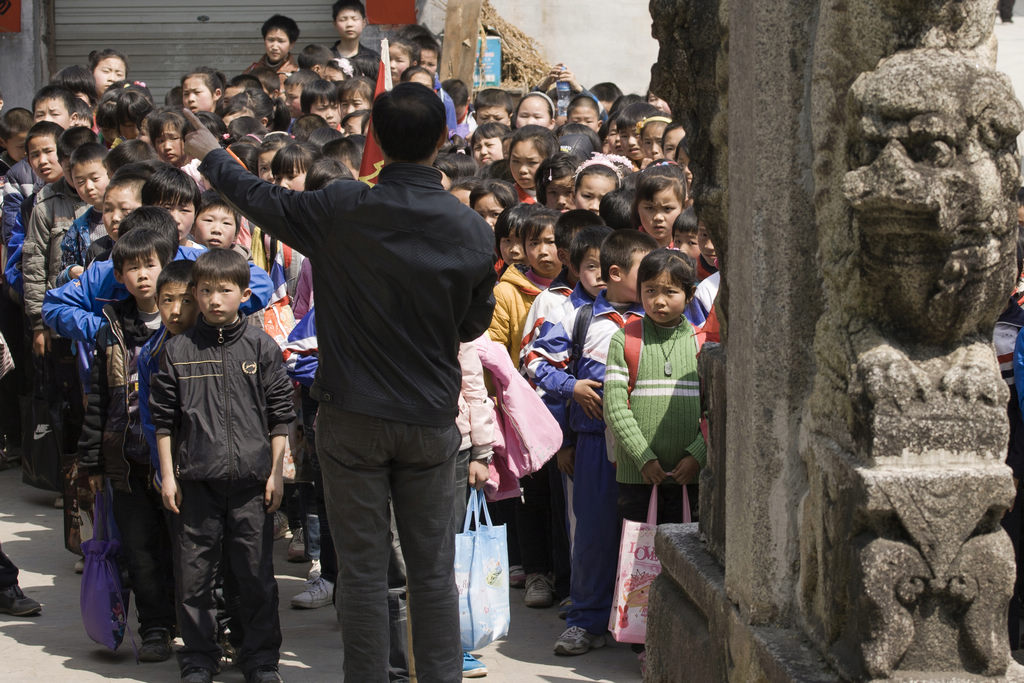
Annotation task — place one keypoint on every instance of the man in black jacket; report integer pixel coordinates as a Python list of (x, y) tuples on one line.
[(402, 272)]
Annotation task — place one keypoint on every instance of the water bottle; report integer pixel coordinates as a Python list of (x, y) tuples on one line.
[(564, 95)]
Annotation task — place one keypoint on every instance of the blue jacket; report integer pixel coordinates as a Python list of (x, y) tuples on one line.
[(75, 245), (301, 353), (555, 347), (75, 310)]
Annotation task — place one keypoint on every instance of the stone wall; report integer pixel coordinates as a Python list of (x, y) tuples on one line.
[(862, 190)]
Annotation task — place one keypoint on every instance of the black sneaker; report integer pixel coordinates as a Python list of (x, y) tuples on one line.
[(14, 602), (196, 675), (263, 674), (156, 645)]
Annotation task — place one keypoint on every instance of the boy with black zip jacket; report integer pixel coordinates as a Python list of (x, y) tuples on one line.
[(112, 444), (221, 404)]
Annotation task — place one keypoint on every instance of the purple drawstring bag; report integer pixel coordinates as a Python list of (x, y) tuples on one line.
[(104, 602)]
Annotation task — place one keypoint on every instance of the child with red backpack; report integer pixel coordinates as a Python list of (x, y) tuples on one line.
[(652, 393)]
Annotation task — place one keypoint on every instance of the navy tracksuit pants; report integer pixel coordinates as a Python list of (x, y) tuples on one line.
[(595, 548)]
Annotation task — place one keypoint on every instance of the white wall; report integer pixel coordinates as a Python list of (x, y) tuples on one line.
[(600, 40)]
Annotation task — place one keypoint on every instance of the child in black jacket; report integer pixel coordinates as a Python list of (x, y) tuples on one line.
[(223, 398)]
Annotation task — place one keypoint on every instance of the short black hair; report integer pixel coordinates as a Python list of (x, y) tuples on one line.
[(164, 118), (221, 265), (686, 222), (129, 152), (286, 24), (81, 109), (320, 90), (133, 106), (494, 97), (324, 172), (584, 101), (365, 66), (538, 221), (214, 80), (321, 136), (590, 237), (54, 92), (512, 222), (302, 77), (364, 119), (409, 121), (361, 84), (407, 46), (171, 187), (607, 91), (14, 121), (617, 209), (456, 166), (306, 124), (246, 149), (213, 199), (542, 138), (618, 249), (175, 273), (491, 129), (97, 56), (421, 37), (78, 80), (571, 222), (246, 81), (348, 150), (555, 167), (43, 129), (456, 90), (150, 229), (412, 71), (90, 151), (294, 158), (71, 139), (340, 5), (314, 55), (502, 191), (680, 268), (654, 179)]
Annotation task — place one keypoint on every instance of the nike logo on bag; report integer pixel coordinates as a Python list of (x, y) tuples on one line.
[(41, 431)]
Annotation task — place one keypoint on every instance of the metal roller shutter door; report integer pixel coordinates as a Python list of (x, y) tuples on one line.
[(163, 40)]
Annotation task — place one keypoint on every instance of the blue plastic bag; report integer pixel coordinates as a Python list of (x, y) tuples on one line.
[(104, 602), (481, 574)]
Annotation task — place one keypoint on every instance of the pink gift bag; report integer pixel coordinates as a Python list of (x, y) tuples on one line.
[(638, 567)]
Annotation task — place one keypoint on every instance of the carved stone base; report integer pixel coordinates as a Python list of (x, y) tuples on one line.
[(694, 633)]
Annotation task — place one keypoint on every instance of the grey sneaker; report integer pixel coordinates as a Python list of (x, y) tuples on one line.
[(538, 591), (578, 641), (319, 593)]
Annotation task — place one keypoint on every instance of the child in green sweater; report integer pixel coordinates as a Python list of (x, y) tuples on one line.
[(657, 425)]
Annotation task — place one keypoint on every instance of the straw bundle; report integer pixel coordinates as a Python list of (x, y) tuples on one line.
[(522, 65)]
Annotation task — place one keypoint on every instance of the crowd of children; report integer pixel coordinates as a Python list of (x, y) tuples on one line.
[(182, 338)]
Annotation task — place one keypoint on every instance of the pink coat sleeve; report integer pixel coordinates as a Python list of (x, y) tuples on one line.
[(476, 410)]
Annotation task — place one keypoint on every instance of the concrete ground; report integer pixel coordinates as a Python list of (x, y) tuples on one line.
[(53, 646)]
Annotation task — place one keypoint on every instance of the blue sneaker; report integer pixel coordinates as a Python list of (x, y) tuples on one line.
[(472, 667)]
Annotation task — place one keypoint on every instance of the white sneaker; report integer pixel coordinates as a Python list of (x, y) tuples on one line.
[(314, 571), (319, 593), (577, 641)]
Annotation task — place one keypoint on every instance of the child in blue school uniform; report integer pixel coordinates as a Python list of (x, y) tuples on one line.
[(596, 537)]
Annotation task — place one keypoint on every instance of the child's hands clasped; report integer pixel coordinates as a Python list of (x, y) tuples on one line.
[(171, 494), (653, 473), (686, 470), (584, 393)]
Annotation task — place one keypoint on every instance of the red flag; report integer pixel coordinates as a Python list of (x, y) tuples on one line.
[(391, 11), (373, 157)]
